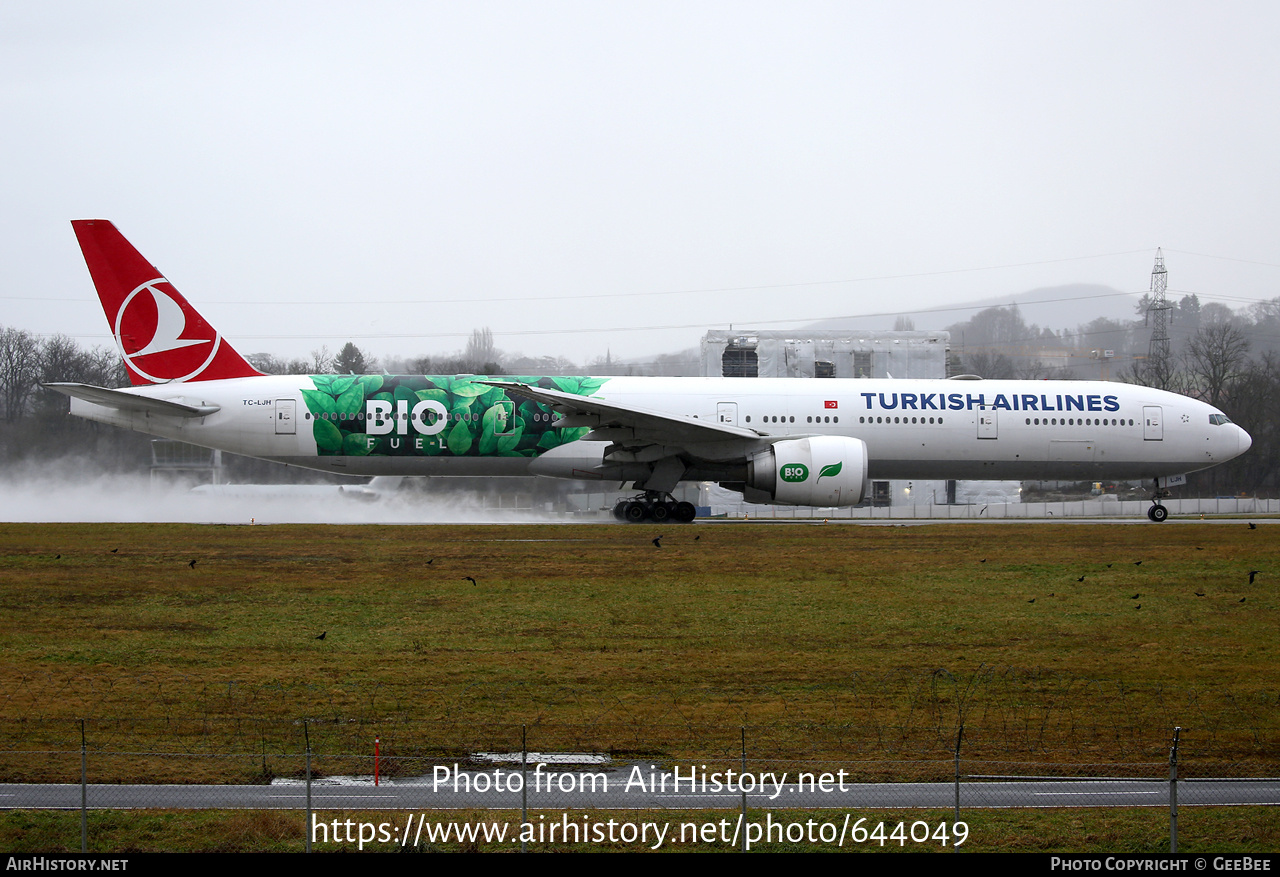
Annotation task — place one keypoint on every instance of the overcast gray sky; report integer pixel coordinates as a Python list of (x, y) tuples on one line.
[(400, 173)]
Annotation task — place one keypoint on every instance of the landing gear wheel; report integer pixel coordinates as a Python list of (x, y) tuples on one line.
[(655, 506), (1158, 512)]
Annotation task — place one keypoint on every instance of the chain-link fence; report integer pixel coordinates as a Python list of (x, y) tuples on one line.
[(741, 800)]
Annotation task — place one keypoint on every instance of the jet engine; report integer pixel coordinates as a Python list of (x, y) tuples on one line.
[(820, 471)]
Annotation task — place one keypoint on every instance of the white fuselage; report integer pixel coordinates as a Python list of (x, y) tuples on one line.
[(922, 429)]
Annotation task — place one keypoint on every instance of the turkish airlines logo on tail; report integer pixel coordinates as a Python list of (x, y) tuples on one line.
[(152, 331)]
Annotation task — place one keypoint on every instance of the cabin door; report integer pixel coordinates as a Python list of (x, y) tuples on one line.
[(987, 424), (1152, 419), (284, 417)]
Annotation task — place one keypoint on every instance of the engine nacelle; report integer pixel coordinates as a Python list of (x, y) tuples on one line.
[(822, 471)]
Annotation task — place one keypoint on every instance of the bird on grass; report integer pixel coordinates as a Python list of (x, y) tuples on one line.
[(468, 578), (1252, 525), (1135, 596), (1081, 579), (1199, 593), (1252, 573), (657, 542), (322, 634), (192, 564)]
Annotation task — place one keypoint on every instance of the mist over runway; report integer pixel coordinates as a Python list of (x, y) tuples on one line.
[(127, 499)]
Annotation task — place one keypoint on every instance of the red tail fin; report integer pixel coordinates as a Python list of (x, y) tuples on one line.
[(160, 335)]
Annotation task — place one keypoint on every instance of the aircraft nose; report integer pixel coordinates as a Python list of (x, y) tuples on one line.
[(1246, 441)]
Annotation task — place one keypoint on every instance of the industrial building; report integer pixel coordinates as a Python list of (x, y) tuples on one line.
[(825, 354)]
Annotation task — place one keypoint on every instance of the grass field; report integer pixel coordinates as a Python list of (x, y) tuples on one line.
[(1053, 643)]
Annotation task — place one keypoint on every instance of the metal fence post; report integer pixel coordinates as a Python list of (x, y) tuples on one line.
[(84, 792), (959, 736), (307, 736), (1173, 792), (524, 786), (744, 789)]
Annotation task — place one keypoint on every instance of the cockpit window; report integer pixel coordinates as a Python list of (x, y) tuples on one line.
[(1219, 419)]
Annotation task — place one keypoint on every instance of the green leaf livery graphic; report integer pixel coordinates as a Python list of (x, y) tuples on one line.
[(399, 415), (328, 437), (832, 470), (460, 440)]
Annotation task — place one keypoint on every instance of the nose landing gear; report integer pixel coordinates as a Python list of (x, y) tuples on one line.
[(1157, 512)]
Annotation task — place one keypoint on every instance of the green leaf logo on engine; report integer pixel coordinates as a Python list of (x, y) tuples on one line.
[(832, 470), (794, 473)]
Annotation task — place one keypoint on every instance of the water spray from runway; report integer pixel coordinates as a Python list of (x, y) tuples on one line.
[(81, 495)]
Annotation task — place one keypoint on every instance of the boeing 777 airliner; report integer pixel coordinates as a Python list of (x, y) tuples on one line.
[(797, 442)]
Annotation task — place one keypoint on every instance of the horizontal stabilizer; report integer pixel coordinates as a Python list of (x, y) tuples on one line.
[(126, 401)]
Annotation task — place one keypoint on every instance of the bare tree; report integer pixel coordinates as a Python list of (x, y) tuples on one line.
[(264, 362), (992, 327), (62, 359), (1216, 312), (19, 370), (105, 368), (992, 366), (321, 361), (481, 357), (1216, 356), (1160, 372), (269, 364), (1253, 401)]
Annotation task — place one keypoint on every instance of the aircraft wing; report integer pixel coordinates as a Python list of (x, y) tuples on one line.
[(631, 426), (126, 401)]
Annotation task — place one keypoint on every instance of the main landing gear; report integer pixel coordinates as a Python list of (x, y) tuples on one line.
[(1158, 512), (661, 508)]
